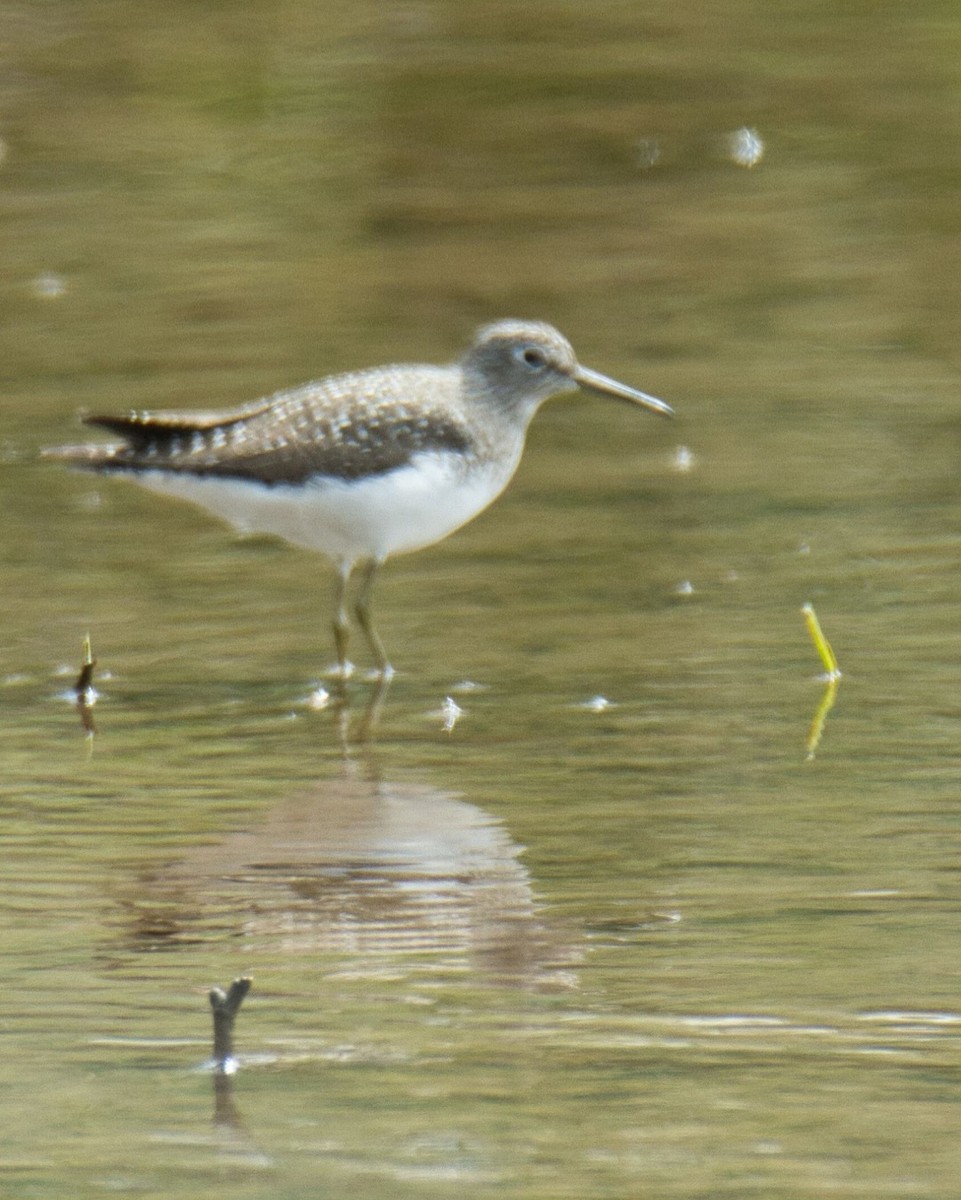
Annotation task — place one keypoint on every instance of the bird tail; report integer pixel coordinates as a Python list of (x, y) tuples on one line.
[(91, 457)]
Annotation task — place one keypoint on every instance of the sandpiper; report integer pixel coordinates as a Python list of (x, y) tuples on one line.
[(362, 465)]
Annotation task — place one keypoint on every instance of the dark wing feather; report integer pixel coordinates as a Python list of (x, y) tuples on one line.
[(145, 426)]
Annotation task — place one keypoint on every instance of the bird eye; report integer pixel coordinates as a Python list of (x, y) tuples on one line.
[(531, 356)]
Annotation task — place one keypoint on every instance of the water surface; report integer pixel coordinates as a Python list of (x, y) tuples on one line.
[(616, 932)]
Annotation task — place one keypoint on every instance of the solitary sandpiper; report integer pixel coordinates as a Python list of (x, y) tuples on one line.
[(363, 465)]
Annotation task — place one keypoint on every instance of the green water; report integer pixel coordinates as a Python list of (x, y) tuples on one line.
[(566, 948)]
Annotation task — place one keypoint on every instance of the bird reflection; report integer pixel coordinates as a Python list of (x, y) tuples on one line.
[(367, 869)]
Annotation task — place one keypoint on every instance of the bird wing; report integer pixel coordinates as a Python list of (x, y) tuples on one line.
[(344, 427)]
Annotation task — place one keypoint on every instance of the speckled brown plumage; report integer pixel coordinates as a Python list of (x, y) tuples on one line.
[(345, 427)]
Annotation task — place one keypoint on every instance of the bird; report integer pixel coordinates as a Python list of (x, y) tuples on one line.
[(362, 465)]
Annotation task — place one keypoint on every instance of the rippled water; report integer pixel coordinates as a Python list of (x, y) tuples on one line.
[(618, 930)]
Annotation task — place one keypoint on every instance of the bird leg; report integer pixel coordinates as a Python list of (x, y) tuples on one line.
[(365, 620), (341, 623)]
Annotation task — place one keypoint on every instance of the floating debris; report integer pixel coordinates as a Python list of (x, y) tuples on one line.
[(450, 713), (683, 459), (745, 147), (318, 700), (648, 153), (686, 588), (597, 704), (49, 286)]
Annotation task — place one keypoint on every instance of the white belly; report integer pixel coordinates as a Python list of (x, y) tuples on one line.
[(375, 517)]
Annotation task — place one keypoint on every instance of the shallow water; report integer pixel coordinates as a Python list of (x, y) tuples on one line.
[(618, 930)]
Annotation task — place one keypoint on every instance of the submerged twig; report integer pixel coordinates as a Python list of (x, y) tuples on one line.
[(832, 678), (821, 644), (84, 690), (225, 1006)]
